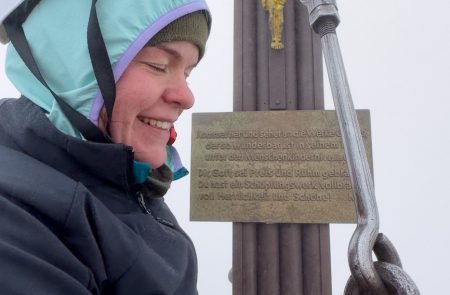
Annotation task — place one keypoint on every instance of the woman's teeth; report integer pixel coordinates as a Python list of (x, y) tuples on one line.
[(154, 123)]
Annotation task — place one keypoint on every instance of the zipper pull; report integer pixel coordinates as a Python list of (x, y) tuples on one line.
[(141, 201)]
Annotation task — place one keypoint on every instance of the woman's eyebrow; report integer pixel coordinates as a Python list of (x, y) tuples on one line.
[(175, 53), (169, 50)]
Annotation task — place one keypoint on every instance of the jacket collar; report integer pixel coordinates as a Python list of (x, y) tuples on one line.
[(27, 129)]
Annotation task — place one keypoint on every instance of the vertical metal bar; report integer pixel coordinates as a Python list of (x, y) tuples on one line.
[(305, 54), (244, 235), (262, 66), (268, 256), (277, 80), (238, 56), (244, 259), (291, 61), (311, 259), (291, 279), (267, 234), (325, 258), (250, 259), (277, 75), (238, 243), (238, 257), (249, 65)]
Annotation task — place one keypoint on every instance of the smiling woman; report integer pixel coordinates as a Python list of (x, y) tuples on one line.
[(150, 96), (86, 153)]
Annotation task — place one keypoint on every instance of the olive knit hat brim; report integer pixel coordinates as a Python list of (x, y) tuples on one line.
[(192, 27)]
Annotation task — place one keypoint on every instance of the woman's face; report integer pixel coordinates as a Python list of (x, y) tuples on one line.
[(150, 96)]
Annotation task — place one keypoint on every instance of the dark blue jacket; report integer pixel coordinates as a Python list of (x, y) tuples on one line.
[(71, 221)]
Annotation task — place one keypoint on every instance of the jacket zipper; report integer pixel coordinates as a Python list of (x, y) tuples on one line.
[(141, 201)]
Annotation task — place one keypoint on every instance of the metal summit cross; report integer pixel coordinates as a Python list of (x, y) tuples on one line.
[(278, 258), (261, 169)]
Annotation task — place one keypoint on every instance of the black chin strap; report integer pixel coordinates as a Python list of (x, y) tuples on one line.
[(100, 63)]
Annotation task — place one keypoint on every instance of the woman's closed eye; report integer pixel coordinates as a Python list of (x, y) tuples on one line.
[(162, 68), (159, 67)]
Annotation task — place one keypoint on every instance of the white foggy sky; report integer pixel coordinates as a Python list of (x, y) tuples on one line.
[(396, 58)]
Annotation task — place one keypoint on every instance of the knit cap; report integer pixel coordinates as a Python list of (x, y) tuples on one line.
[(192, 27)]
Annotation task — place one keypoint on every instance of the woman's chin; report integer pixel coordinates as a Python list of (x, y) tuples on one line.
[(155, 158)]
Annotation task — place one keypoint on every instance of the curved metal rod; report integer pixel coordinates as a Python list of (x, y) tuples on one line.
[(363, 239), (324, 20)]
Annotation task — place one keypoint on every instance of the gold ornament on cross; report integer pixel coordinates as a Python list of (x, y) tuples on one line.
[(275, 9)]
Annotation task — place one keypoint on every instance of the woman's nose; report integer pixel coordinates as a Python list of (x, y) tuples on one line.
[(179, 93)]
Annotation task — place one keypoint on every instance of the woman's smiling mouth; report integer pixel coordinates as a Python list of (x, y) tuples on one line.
[(155, 123)]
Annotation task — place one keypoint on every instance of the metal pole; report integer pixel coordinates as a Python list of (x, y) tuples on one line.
[(278, 258)]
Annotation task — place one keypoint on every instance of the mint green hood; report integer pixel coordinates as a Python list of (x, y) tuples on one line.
[(62, 54), (57, 33)]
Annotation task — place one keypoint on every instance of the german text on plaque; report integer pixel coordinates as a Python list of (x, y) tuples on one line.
[(275, 167)]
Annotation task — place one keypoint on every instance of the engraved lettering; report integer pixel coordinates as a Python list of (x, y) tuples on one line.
[(286, 164), (203, 173), (207, 196)]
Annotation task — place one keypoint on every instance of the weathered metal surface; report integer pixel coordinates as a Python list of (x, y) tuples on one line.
[(274, 167), (266, 79), (389, 268), (385, 251)]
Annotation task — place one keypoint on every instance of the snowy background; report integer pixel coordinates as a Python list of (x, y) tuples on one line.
[(396, 54)]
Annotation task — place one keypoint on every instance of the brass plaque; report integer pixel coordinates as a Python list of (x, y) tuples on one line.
[(273, 167)]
